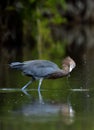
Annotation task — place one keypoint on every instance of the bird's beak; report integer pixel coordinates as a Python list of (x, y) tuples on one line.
[(72, 67)]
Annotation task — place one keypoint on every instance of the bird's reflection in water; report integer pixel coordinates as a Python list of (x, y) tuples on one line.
[(48, 110), (39, 95)]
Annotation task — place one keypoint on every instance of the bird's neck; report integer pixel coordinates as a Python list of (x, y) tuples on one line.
[(58, 74), (65, 69)]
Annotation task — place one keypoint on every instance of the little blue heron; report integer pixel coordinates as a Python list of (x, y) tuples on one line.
[(44, 69)]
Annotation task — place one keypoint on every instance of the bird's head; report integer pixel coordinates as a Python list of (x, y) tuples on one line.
[(68, 64)]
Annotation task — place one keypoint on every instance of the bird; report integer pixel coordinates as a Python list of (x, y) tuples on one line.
[(43, 69)]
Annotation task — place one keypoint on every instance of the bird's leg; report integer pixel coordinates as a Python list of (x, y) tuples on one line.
[(40, 82), (40, 97), (25, 86)]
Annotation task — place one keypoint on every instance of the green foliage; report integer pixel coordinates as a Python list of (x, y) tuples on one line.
[(38, 18)]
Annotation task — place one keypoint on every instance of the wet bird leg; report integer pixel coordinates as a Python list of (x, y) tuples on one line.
[(40, 82), (25, 86)]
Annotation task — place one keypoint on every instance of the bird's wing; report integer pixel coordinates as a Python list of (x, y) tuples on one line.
[(39, 68)]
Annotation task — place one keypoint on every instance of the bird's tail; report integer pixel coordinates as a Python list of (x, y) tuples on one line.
[(16, 65)]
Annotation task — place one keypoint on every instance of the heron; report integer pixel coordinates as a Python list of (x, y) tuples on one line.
[(44, 69)]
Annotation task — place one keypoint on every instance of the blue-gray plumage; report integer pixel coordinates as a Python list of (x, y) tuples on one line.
[(41, 69)]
